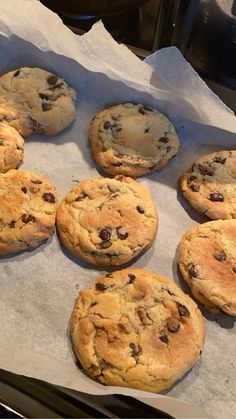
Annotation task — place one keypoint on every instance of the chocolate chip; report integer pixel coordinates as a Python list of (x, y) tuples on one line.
[(142, 111), (44, 96), (146, 130), (173, 325), (219, 159), (38, 129), (109, 275), (24, 189), (26, 218), (195, 187), (164, 338), (1, 142), (49, 197), (12, 224), (46, 106), (220, 255), (132, 277), (118, 163), (234, 269), (216, 197), (168, 149), (135, 349), (93, 304), (105, 233), (169, 292), (106, 125), (190, 179), (80, 197), (200, 352), (206, 170), (16, 73), (56, 86), (183, 311), (106, 244), (100, 287), (193, 271), (52, 80), (164, 140), (121, 233), (36, 181), (140, 209)]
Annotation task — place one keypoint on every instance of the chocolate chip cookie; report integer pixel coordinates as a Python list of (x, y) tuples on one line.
[(107, 221), (27, 210), (32, 100), (207, 261), (210, 187), (134, 328), (132, 139), (11, 148)]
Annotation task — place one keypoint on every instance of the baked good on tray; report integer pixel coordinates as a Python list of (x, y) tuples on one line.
[(27, 210), (11, 148), (32, 100), (210, 187), (207, 261), (137, 329), (132, 139), (107, 221)]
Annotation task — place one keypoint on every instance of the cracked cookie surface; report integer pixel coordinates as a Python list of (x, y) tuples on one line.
[(27, 210), (211, 185), (137, 329), (132, 139), (207, 261), (32, 100), (11, 148), (107, 221)]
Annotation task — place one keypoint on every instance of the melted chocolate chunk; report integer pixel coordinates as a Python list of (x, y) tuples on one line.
[(131, 277), (105, 233), (106, 125), (52, 80), (140, 209), (49, 197), (80, 197), (106, 244), (118, 163), (135, 349), (26, 218), (234, 269), (12, 224), (24, 189), (121, 234), (16, 73), (220, 255), (219, 159), (195, 187), (46, 106), (146, 130), (173, 325), (164, 338), (44, 96), (164, 140), (183, 311), (216, 197), (206, 170), (193, 271), (100, 287), (36, 181)]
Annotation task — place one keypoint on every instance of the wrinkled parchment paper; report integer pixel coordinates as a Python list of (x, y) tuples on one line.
[(38, 288)]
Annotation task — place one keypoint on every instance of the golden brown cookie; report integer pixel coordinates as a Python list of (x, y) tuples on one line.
[(134, 328), (207, 261), (132, 139), (211, 185), (11, 148), (32, 100), (107, 221), (27, 210)]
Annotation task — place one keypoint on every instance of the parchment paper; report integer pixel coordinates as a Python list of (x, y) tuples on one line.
[(38, 288)]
